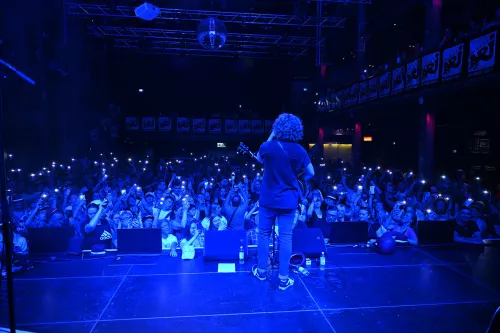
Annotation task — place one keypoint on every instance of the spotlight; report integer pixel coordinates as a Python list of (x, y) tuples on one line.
[(147, 11)]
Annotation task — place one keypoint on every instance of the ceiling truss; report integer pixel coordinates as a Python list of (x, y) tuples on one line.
[(198, 15), (232, 38), (185, 48), (130, 33)]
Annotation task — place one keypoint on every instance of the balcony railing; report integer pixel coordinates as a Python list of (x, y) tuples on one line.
[(470, 58)]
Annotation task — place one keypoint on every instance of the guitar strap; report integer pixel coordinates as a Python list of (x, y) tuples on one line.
[(231, 218), (293, 170)]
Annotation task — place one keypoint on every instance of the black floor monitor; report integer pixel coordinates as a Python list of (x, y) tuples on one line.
[(139, 241), (224, 245), (435, 232), (308, 241), (349, 232), (49, 240)]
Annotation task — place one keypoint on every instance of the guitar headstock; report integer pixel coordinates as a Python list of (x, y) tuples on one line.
[(243, 148)]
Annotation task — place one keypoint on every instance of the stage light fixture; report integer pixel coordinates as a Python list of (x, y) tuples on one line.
[(147, 11)]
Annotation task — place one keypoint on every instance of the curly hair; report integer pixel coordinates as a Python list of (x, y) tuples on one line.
[(288, 127)]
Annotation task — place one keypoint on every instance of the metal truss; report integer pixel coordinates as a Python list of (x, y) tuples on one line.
[(198, 15), (194, 49), (232, 38)]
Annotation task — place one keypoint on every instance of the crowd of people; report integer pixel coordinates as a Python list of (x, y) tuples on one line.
[(186, 197)]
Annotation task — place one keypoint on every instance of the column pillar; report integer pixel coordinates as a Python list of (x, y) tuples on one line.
[(317, 151), (356, 146), (432, 34), (361, 49), (427, 128)]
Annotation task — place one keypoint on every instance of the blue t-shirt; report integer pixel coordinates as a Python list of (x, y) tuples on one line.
[(279, 183)]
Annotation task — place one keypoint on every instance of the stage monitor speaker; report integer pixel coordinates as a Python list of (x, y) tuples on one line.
[(49, 240), (436, 232), (139, 241), (308, 241), (225, 245)]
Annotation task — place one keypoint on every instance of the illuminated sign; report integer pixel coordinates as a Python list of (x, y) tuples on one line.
[(367, 138), (221, 145)]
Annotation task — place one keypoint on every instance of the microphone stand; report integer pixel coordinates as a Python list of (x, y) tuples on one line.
[(8, 243)]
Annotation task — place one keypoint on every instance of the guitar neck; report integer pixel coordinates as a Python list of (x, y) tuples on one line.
[(253, 156)]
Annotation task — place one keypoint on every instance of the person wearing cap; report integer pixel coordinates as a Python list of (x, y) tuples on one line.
[(56, 218), (330, 200), (38, 215), (165, 206), (147, 205), (17, 209), (148, 221), (97, 231)]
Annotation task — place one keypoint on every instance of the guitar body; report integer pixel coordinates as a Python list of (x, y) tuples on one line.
[(301, 184)]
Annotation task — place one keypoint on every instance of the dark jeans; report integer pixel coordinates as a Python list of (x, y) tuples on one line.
[(267, 217)]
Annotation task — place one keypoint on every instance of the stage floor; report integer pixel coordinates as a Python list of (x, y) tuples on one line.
[(426, 289)]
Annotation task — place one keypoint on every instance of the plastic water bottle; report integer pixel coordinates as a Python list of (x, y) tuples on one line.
[(303, 271), (242, 255), (322, 261)]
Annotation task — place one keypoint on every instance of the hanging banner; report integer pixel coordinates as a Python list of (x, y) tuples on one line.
[(354, 94), (430, 69), (398, 80), (268, 126), (452, 62), (257, 126), (384, 84), (165, 123), (335, 101), (363, 92), (482, 54), (199, 125), (244, 126), (346, 98), (182, 124), (148, 123), (214, 125), (373, 88), (230, 126), (413, 74), (132, 123)]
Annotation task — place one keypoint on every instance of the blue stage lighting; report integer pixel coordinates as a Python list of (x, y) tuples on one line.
[(212, 33)]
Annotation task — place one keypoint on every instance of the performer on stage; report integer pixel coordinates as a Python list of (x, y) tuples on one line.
[(283, 159)]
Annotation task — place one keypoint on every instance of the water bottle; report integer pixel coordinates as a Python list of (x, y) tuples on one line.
[(322, 260), (242, 255), (303, 271)]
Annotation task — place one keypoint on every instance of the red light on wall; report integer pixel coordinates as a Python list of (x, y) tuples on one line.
[(436, 3), (367, 138)]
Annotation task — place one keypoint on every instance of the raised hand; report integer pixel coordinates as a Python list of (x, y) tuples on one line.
[(185, 204)]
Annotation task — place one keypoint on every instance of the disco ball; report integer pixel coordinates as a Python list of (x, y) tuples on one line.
[(212, 33)]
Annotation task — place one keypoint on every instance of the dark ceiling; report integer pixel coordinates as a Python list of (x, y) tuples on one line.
[(272, 29)]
